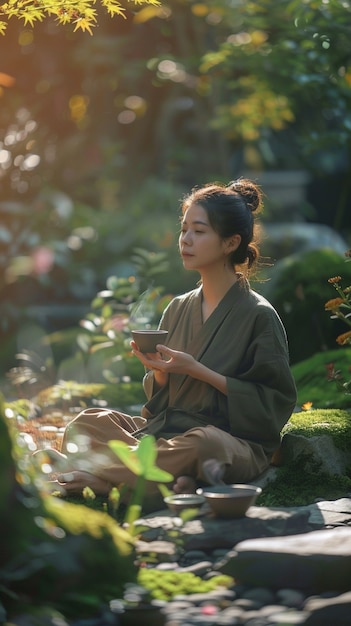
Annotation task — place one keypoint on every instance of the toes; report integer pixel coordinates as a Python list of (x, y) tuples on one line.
[(185, 484), (56, 489)]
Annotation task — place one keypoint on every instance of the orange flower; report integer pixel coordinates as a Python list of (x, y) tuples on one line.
[(307, 406), (334, 304), (336, 279), (344, 339)]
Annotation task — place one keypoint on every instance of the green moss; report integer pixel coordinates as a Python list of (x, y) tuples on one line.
[(334, 422), (66, 393), (296, 487), (166, 585), (21, 407), (311, 379), (76, 519), (300, 481)]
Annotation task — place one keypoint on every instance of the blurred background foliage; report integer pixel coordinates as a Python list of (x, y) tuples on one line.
[(100, 137)]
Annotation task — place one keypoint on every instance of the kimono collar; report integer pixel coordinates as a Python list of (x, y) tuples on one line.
[(204, 332)]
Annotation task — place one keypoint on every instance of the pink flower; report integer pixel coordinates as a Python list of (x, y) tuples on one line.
[(43, 259)]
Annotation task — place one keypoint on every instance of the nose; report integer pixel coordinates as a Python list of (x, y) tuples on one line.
[(185, 237)]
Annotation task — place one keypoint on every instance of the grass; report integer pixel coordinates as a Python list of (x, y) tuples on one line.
[(312, 383)]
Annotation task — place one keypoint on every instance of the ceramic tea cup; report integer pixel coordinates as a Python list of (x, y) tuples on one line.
[(147, 340)]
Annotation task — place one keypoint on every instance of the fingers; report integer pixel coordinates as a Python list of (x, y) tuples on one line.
[(75, 482)]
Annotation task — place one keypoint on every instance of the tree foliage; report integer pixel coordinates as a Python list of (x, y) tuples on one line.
[(100, 136), (188, 90), (80, 13), (285, 65)]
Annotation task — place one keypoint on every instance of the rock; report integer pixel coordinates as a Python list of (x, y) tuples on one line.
[(208, 533), (327, 612), (291, 597), (164, 550), (314, 562), (319, 449)]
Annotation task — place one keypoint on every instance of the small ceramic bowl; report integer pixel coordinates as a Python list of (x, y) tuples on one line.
[(147, 340), (180, 501), (230, 501)]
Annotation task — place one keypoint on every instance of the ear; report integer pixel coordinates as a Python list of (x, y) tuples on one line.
[(232, 243)]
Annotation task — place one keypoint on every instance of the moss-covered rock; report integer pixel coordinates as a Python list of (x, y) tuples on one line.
[(333, 422), (304, 475)]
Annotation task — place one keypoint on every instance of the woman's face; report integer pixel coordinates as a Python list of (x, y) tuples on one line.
[(200, 245)]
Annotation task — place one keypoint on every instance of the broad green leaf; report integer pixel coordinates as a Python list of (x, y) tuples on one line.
[(158, 475), (147, 452), (127, 456)]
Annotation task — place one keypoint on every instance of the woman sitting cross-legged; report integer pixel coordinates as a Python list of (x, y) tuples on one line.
[(221, 388)]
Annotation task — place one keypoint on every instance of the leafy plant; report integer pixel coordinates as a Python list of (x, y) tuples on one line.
[(125, 303), (298, 290), (140, 461), (340, 309), (81, 13)]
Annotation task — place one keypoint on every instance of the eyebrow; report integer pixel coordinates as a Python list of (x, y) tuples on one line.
[(196, 222)]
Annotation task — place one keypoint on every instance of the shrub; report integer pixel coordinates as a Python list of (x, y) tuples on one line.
[(298, 290)]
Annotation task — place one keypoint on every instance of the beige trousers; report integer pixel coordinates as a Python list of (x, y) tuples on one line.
[(86, 437)]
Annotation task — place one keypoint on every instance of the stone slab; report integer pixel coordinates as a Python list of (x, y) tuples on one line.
[(206, 532), (313, 562)]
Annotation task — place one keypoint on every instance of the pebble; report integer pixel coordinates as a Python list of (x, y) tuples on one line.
[(256, 606), (242, 605)]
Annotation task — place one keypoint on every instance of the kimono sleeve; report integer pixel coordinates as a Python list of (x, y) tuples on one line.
[(262, 396)]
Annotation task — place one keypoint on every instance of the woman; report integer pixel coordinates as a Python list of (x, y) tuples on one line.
[(221, 389)]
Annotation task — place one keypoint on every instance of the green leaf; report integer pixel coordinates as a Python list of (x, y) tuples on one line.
[(147, 452), (127, 456), (158, 475), (133, 513)]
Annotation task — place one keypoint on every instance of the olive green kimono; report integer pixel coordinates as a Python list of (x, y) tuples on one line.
[(244, 340)]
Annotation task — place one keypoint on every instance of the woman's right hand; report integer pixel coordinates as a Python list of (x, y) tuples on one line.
[(149, 360)]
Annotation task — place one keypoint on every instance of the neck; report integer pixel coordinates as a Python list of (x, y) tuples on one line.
[(214, 288)]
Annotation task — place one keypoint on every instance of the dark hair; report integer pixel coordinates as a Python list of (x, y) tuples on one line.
[(230, 211)]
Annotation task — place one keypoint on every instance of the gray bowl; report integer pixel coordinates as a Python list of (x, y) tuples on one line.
[(230, 501), (180, 501), (147, 340)]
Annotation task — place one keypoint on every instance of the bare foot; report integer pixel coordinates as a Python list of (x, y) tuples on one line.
[(185, 484), (76, 481)]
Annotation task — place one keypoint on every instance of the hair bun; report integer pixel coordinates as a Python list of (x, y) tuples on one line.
[(250, 192)]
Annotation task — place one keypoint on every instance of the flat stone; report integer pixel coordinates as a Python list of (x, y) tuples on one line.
[(163, 550), (331, 611), (209, 533), (315, 562), (325, 513)]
